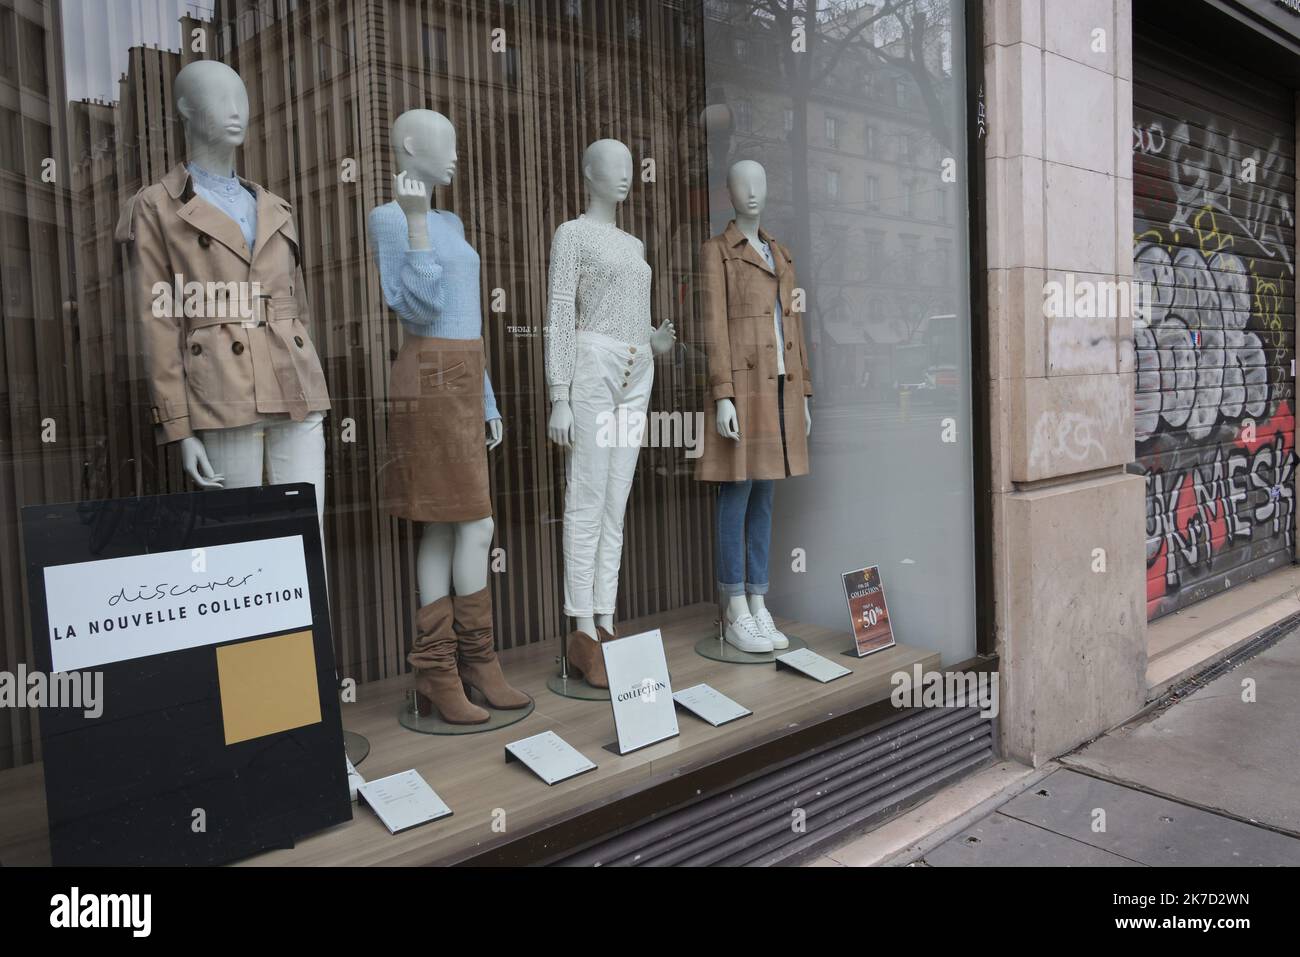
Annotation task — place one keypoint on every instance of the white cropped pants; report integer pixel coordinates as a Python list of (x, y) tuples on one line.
[(609, 397), (285, 450)]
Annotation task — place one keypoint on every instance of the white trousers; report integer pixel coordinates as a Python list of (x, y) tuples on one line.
[(609, 397), (280, 449)]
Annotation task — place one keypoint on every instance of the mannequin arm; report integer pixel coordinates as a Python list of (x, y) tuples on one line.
[(495, 433), (807, 417), (728, 423), (194, 460), (560, 428)]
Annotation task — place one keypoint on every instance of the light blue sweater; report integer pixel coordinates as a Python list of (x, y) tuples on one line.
[(435, 292)]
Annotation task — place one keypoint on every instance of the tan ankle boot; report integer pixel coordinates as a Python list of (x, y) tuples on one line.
[(433, 656), (585, 659), (476, 659)]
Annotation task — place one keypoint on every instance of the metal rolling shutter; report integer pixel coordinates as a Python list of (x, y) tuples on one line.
[(836, 790), (1215, 240)]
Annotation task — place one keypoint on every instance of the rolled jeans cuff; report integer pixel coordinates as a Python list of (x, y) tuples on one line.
[(730, 591), (752, 589)]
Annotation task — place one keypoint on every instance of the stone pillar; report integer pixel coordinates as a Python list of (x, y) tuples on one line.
[(1068, 521)]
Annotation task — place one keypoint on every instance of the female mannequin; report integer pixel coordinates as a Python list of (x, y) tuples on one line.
[(757, 364), (441, 398), (241, 390), (599, 342)]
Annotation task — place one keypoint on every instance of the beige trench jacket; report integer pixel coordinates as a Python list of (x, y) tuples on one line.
[(737, 295), (224, 332)]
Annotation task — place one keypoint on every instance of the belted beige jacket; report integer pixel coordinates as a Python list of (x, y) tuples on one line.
[(224, 331)]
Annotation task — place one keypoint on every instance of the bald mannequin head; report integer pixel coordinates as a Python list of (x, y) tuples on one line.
[(607, 168), (424, 146), (747, 185), (213, 105)]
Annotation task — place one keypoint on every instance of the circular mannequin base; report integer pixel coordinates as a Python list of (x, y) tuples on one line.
[(717, 650), (432, 723), (356, 746), (572, 687)]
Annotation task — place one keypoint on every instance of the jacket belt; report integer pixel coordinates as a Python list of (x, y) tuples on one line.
[(265, 309)]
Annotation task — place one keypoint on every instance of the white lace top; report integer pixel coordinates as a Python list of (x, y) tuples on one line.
[(600, 282)]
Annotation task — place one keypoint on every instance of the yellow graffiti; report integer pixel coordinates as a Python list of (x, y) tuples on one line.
[(1204, 237)]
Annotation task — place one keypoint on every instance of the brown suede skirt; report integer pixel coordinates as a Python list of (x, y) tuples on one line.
[(436, 469)]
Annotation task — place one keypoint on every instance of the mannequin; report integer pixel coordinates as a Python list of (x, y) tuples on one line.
[(438, 475), (600, 344), (242, 393), (747, 474)]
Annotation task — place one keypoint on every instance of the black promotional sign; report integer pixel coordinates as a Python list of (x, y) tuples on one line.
[(185, 641)]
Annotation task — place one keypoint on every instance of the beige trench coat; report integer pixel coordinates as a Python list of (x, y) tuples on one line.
[(234, 347), (737, 296)]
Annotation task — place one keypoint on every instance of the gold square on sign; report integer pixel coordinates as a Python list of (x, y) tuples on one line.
[(268, 686)]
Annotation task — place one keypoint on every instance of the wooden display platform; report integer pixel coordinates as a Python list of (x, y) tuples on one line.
[(469, 771)]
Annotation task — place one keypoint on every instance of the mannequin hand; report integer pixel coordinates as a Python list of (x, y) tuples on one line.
[(194, 460), (560, 428), (807, 417), (412, 194), (494, 434), (728, 424), (664, 338)]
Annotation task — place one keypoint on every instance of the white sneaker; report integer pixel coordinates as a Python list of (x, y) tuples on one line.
[(745, 635), (355, 780), (768, 628)]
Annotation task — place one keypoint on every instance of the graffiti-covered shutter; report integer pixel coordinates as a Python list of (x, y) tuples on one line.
[(1214, 229)]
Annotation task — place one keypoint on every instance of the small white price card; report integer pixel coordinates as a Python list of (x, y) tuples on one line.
[(808, 662), (710, 704), (403, 801), (549, 756)]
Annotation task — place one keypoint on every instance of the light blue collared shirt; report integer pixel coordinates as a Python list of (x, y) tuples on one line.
[(230, 196)]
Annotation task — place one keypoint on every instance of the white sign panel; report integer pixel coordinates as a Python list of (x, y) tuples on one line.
[(117, 609), (549, 756), (812, 664), (710, 704), (403, 801), (640, 690)]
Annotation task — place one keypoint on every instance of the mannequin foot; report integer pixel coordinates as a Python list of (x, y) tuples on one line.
[(605, 629), (766, 626), (742, 632), (584, 657), (438, 685)]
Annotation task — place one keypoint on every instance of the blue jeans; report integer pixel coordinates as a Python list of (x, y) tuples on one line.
[(744, 536)]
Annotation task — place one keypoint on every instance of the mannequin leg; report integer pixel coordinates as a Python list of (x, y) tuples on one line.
[(733, 502), (471, 547), (438, 684), (586, 478), (622, 470), (476, 660), (433, 561), (758, 539)]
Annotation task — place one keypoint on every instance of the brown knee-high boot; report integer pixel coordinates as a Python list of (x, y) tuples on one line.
[(479, 667), (433, 656)]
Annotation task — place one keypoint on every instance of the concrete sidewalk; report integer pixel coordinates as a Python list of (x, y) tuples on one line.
[(1210, 778)]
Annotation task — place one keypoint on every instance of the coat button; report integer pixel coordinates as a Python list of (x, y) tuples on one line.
[(298, 341), (789, 345), (237, 348), (195, 349), (204, 240)]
